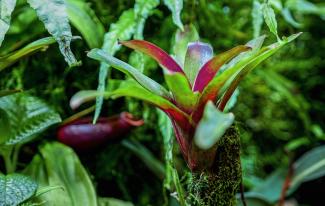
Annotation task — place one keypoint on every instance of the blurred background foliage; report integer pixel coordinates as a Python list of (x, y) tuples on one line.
[(280, 107)]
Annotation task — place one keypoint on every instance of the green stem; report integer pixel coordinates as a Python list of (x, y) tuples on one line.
[(10, 157), (7, 159), (15, 155)]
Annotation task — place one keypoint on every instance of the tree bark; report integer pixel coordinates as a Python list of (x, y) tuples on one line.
[(219, 184)]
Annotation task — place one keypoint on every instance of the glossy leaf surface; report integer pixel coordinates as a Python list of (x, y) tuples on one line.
[(27, 116), (38, 45), (212, 126), (182, 38), (15, 189), (55, 18), (58, 165), (123, 29), (81, 14)]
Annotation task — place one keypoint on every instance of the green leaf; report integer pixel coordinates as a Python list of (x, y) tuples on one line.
[(27, 116), (211, 68), (143, 80), (15, 189), (175, 6), (270, 20), (306, 7), (309, 167), (289, 18), (38, 45), (80, 14), (249, 65), (58, 165), (6, 8), (182, 38), (270, 189), (181, 90), (238, 69), (55, 18), (133, 89), (257, 18), (126, 89), (212, 126), (121, 30), (142, 9)]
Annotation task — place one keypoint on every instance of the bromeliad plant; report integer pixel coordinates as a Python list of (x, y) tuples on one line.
[(200, 86)]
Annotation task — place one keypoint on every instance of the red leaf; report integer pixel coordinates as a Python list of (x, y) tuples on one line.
[(209, 69), (155, 52)]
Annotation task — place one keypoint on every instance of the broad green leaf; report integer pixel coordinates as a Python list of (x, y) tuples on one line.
[(27, 116), (55, 18), (80, 14), (58, 165), (181, 90), (123, 29), (261, 56), (175, 6), (309, 167), (143, 80), (108, 201), (15, 189), (257, 18), (182, 38), (212, 126), (270, 20), (38, 45), (270, 189), (6, 8)]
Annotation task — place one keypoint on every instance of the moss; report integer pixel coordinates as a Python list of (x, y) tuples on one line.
[(219, 184)]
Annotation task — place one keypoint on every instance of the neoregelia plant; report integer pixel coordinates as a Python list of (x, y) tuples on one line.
[(198, 92)]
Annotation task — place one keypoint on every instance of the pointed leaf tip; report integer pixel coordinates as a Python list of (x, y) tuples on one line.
[(155, 52)]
